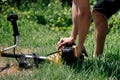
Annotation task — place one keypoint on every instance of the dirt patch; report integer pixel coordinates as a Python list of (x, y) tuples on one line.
[(26, 51), (9, 65), (8, 69), (13, 69)]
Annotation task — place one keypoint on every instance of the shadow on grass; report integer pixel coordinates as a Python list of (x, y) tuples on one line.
[(108, 66)]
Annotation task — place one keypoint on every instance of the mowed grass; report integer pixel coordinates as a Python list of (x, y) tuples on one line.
[(41, 40)]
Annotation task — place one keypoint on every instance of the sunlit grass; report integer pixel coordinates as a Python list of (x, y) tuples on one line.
[(41, 40)]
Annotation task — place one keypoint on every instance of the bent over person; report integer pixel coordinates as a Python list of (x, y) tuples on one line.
[(102, 11)]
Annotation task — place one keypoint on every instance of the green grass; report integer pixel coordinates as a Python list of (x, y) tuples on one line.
[(41, 40)]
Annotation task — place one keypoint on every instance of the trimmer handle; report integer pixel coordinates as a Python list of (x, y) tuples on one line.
[(13, 19)]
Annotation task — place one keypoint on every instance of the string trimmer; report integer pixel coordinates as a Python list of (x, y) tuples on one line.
[(67, 53)]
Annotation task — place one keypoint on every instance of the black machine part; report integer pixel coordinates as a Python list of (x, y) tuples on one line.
[(13, 19), (68, 54)]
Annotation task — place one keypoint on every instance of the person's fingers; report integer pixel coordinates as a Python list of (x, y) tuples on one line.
[(59, 46), (61, 43)]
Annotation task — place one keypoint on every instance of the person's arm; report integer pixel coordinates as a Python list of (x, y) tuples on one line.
[(74, 21), (74, 31)]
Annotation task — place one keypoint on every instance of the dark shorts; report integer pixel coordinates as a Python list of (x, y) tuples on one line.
[(107, 7)]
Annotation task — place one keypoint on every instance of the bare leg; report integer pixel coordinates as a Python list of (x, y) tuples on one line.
[(100, 31), (83, 23)]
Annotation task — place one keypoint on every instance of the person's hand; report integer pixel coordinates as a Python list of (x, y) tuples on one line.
[(64, 41)]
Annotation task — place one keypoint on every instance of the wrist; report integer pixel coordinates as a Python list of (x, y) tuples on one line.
[(72, 38)]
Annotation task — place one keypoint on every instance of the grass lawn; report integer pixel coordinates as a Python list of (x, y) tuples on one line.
[(41, 40)]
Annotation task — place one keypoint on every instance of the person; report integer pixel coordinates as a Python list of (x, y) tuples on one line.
[(80, 26), (101, 12)]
